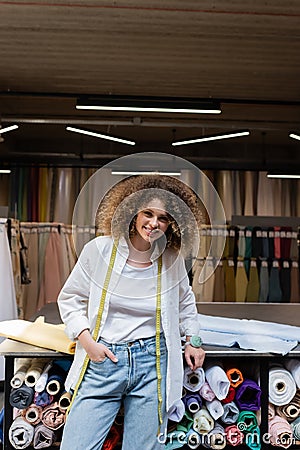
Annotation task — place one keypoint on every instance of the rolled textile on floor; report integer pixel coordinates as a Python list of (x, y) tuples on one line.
[(53, 417), (235, 377), (231, 413), (21, 397), (234, 436), (290, 412), (193, 380), (56, 379), (43, 437), (43, 398), (192, 401), (296, 428), (218, 380), (33, 414), (20, 433), (193, 439), (203, 422), (21, 367), (230, 396), (282, 386), (215, 408), (247, 396), (293, 366), (176, 412), (206, 392), (175, 439), (271, 411), (65, 401), (247, 421), (41, 383), (215, 439), (281, 432), (34, 371)]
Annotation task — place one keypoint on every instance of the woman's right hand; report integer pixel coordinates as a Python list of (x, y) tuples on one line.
[(97, 352)]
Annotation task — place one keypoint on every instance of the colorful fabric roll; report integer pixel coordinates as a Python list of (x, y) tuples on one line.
[(215, 408), (218, 381), (206, 392), (234, 436), (296, 428), (231, 413), (247, 396), (192, 401), (282, 386), (32, 414), (175, 439), (252, 440), (215, 439), (186, 423), (194, 439), (235, 377), (21, 397), (176, 412), (293, 366), (193, 380), (203, 422), (290, 412), (53, 417), (281, 432), (20, 433), (247, 421), (43, 437), (22, 365), (230, 396), (43, 399)]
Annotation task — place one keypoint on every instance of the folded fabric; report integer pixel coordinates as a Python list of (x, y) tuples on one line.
[(43, 437), (247, 396), (231, 413), (230, 396), (281, 432), (21, 367), (247, 421), (20, 433), (65, 401), (215, 408), (176, 412), (56, 379), (21, 397), (38, 333), (193, 380), (194, 439), (32, 414), (235, 377), (215, 439), (296, 428), (234, 436), (293, 366), (282, 386), (192, 401), (113, 438), (40, 385), (53, 417), (206, 392), (218, 381), (271, 411), (203, 422), (186, 423), (34, 371), (42, 398), (175, 439)]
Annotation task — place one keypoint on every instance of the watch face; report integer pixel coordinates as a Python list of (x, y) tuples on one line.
[(196, 341)]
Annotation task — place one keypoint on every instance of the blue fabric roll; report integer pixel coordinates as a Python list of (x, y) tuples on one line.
[(21, 397)]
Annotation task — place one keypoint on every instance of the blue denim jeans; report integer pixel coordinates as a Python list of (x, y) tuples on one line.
[(131, 381)]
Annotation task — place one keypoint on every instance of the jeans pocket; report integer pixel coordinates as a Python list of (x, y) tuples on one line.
[(98, 363), (151, 348)]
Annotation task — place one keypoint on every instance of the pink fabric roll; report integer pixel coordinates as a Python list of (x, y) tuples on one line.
[(206, 392), (234, 436), (281, 432), (53, 417)]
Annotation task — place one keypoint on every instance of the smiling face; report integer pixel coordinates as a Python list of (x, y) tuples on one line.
[(151, 221)]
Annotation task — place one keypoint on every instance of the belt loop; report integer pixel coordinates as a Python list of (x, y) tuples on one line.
[(113, 347), (142, 343)]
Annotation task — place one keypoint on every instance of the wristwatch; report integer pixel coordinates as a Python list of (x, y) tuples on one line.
[(195, 341)]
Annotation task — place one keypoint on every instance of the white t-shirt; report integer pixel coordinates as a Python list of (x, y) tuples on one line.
[(132, 306)]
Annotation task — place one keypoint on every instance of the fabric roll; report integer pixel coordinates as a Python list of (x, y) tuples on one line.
[(43, 398), (1, 425), (247, 396), (252, 294), (206, 392), (56, 379), (34, 371), (293, 366), (234, 436), (175, 439), (215, 408), (22, 365), (194, 439), (282, 386), (21, 397), (235, 376), (65, 401), (289, 412), (296, 428), (203, 422), (231, 413), (20, 433), (186, 423), (53, 417), (192, 401), (43, 437), (271, 411), (281, 432), (176, 412), (218, 381), (241, 282), (193, 380), (215, 439), (247, 421), (41, 383), (230, 396), (252, 439), (33, 414)]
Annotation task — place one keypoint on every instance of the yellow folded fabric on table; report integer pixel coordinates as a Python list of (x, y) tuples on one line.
[(38, 333)]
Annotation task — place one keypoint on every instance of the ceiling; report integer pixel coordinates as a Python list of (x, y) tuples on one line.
[(243, 53)]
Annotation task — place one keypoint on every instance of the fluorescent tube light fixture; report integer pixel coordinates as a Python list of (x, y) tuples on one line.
[(149, 104), (99, 135), (5, 171), (294, 136), (283, 175), (129, 172), (216, 137), (10, 128)]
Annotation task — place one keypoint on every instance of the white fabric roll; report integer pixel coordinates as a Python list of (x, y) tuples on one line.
[(282, 386), (40, 385), (215, 408), (218, 381), (193, 380), (21, 367), (203, 422), (293, 366), (20, 433)]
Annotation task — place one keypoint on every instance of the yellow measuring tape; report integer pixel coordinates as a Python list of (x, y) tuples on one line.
[(157, 333)]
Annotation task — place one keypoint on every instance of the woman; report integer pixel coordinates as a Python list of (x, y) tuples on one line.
[(128, 303)]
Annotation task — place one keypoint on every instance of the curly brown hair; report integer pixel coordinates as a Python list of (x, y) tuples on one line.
[(118, 209)]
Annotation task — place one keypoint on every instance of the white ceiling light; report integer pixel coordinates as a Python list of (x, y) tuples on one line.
[(99, 135), (283, 175), (294, 136), (5, 171), (10, 128), (212, 138), (126, 172)]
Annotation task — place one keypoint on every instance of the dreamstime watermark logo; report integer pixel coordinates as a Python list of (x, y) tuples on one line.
[(104, 181)]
